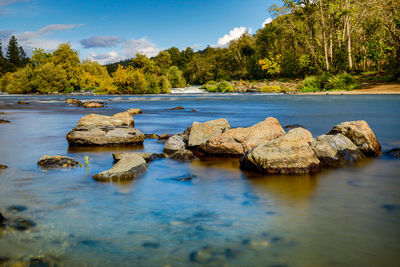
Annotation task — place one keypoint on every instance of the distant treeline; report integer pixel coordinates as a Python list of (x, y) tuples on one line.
[(306, 38)]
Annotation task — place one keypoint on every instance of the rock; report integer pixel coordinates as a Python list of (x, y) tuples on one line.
[(2, 219), (395, 152), (4, 260), (150, 244), (3, 166), (119, 119), (165, 137), (4, 121), (177, 108), (93, 104), (151, 136), (293, 126), (289, 154), (199, 133), (22, 102), (104, 135), (129, 167), (147, 156), (134, 111), (48, 162), (73, 101), (22, 224), (174, 143), (183, 155), (335, 150), (361, 135), (237, 141), (16, 208), (203, 255), (194, 110)]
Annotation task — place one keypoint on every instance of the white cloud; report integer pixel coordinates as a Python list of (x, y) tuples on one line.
[(233, 34), (46, 30), (267, 21), (31, 40), (100, 41), (143, 46), (103, 59)]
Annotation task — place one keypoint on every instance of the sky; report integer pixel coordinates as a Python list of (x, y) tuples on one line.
[(109, 31)]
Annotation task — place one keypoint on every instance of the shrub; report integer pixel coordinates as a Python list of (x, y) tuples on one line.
[(343, 81), (176, 78), (68, 90), (271, 89), (222, 87), (310, 84)]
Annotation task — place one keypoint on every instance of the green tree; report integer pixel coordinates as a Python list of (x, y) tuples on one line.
[(163, 61), (13, 53), (175, 77), (68, 60)]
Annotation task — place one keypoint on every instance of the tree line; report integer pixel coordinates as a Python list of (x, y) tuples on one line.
[(320, 38)]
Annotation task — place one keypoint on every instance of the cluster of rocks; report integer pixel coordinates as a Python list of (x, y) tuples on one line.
[(265, 147), (88, 104), (100, 130), (15, 223)]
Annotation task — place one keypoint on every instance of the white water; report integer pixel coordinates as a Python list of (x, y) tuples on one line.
[(188, 90)]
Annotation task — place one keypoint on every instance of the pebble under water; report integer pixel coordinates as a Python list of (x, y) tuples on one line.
[(206, 212)]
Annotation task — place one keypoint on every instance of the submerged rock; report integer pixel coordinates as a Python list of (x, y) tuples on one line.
[(73, 101), (16, 208), (22, 102), (237, 141), (4, 121), (183, 155), (361, 135), (93, 104), (177, 108), (48, 162), (199, 133), (128, 167), (2, 219), (3, 166), (174, 143), (336, 150), (395, 152), (105, 135), (151, 136), (164, 137), (289, 154), (147, 156), (22, 224), (150, 244)]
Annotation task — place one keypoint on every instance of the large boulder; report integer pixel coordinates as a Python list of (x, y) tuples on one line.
[(50, 162), (174, 143), (119, 119), (130, 166), (289, 154), (147, 156), (237, 141), (361, 135), (199, 133), (336, 150), (104, 135)]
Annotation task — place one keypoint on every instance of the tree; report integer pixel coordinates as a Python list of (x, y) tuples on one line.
[(13, 53), (67, 58), (163, 61), (3, 63), (175, 77)]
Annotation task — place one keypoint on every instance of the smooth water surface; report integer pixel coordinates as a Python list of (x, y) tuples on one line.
[(223, 216)]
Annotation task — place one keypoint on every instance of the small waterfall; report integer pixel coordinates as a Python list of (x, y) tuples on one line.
[(188, 90)]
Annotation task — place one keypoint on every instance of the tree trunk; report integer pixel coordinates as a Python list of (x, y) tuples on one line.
[(324, 36)]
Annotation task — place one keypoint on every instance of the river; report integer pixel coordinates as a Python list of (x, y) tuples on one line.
[(223, 216)]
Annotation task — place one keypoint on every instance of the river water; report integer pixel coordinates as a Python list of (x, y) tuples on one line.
[(223, 216)]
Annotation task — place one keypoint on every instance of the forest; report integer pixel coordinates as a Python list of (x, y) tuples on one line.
[(322, 43)]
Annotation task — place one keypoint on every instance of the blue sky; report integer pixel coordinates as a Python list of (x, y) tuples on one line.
[(108, 31)]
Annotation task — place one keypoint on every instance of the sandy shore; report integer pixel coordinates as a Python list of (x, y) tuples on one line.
[(366, 89)]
